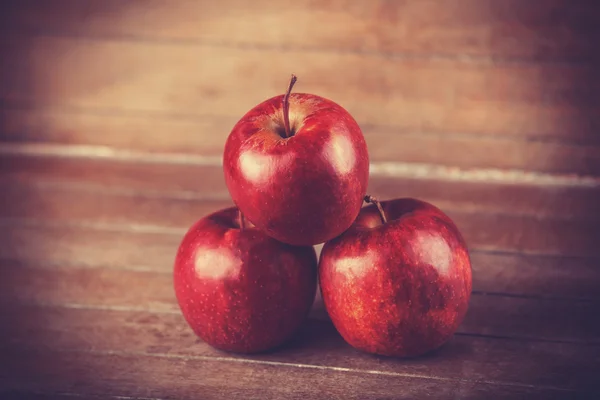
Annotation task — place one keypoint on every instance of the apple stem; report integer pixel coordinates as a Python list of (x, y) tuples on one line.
[(286, 107), (373, 200), (242, 220)]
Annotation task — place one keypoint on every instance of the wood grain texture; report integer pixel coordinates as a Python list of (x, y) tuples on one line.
[(481, 231), (558, 29), (494, 226), (491, 232), (191, 378), (113, 247), (25, 175), (533, 318), (552, 101), (206, 135), (316, 345)]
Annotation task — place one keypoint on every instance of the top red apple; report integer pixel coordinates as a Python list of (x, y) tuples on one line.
[(297, 166)]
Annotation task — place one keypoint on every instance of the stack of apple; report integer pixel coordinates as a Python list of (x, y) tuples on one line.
[(395, 276)]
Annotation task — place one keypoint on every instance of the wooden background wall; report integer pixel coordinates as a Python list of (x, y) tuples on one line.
[(474, 84)]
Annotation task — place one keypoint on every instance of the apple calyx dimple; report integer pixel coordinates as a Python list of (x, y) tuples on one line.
[(373, 200), (287, 132)]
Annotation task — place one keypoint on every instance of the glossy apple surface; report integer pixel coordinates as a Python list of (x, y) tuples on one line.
[(401, 288), (240, 290), (303, 189)]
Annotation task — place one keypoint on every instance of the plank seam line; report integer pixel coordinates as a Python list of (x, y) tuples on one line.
[(175, 311), (93, 225), (309, 366), (533, 297), (460, 58), (389, 169)]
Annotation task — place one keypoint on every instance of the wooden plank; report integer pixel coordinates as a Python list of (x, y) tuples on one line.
[(189, 180), (500, 231), (527, 199), (317, 345), (81, 246), (526, 235), (557, 29), (193, 378), (150, 133), (148, 178), (533, 318), (89, 287), (543, 276), (207, 135), (550, 101), (101, 207), (71, 246)]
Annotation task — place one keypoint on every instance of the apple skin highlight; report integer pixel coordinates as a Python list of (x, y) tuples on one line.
[(240, 290), (399, 288), (303, 189)]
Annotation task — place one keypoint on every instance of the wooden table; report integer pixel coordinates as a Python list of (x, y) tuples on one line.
[(88, 309)]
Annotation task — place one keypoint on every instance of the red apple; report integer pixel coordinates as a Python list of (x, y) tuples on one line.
[(398, 281), (239, 289), (300, 174)]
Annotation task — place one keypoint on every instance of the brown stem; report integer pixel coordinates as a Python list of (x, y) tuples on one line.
[(286, 107), (242, 220), (373, 200)]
